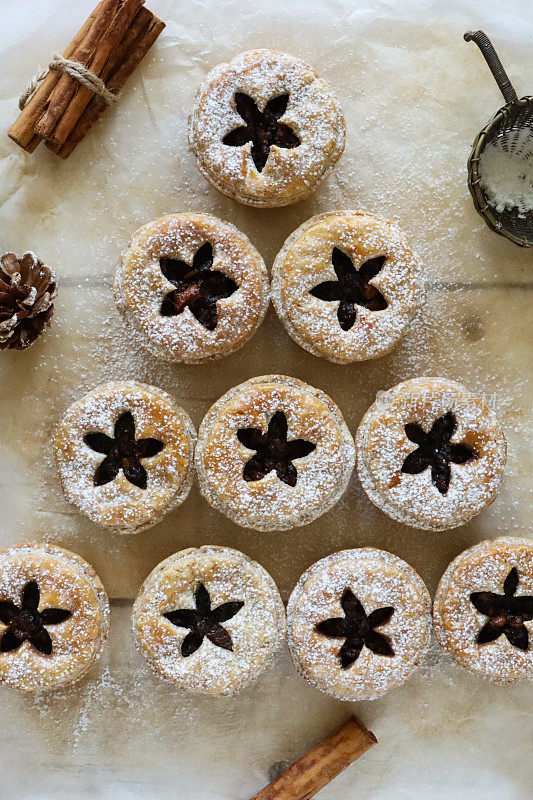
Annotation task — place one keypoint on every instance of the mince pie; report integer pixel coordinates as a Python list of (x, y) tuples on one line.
[(191, 287), (265, 129), (430, 453), (346, 285), (358, 623), (209, 619), (124, 453), (274, 453), (54, 617), (483, 609)]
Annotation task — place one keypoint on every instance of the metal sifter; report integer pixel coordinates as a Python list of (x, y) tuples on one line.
[(503, 153)]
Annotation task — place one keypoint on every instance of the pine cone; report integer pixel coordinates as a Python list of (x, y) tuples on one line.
[(27, 288)]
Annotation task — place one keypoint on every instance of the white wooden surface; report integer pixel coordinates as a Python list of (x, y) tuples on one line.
[(414, 96)]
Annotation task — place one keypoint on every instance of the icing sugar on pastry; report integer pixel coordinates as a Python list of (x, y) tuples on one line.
[(124, 455), (54, 617), (265, 129), (191, 287), (346, 285), (430, 453), (483, 609), (209, 619), (274, 453), (359, 623)]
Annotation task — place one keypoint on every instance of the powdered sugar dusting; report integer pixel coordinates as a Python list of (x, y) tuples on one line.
[(378, 579), (119, 504), (483, 568), (382, 447), (64, 581), (256, 631), (506, 171), (313, 113), (140, 288), (305, 260), (270, 504)]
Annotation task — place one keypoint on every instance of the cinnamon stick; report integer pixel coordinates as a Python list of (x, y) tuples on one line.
[(67, 85), (23, 129), (107, 45), (321, 764), (140, 37)]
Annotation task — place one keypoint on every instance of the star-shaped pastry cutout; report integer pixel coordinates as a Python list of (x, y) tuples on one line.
[(273, 451), (436, 451), (352, 287), (262, 128), (204, 621), (122, 452), (506, 613), (25, 623), (198, 287), (357, 629)]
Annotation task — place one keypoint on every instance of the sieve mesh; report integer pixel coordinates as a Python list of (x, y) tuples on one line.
[(516, 117)]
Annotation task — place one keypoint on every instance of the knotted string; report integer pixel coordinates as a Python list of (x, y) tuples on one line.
[(78, 71)]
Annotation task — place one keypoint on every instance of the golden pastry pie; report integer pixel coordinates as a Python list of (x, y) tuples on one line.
[(124, 453), (346, 285), (265, 129), (430, 453), (54, 617), (274, 453), (358, 623), (483, 609), (209, 619), (191, 287)]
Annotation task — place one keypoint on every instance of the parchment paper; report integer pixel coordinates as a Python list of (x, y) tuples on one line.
[(414, 96)]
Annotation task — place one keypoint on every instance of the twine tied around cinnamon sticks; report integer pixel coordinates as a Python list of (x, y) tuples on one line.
[(64, 101), (77, 71)]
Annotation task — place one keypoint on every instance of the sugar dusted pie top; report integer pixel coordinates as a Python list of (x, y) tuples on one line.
[(400, 473), (393, 606), (58, 644), (191, 287), (346, 285), (295, 111), (254, 485), (133, 494), (209, 619), (471, 606)]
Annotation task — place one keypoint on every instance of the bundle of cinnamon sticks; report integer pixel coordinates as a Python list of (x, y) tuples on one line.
[(112, 42)]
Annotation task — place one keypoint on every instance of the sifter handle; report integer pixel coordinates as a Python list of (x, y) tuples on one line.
[(495, 65)]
